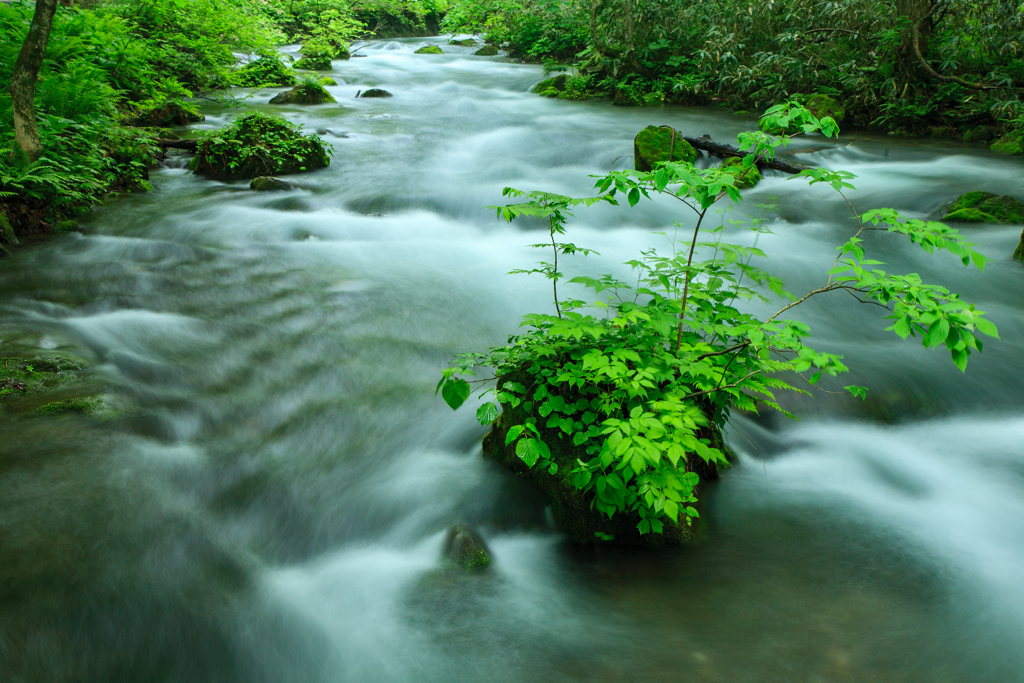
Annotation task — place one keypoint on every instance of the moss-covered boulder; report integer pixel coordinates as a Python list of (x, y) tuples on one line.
[(1018, 253), (173, 113), (572, 509), (823, 105), (655, 144), (550, 87), (269, 184), (376, 92), (47, 385), (465, 42), (487, 51), (314, 62), (429, 50), (327, 80), (1011, 143), (307, 92), (267, 70), (741, 179), (258, 145), (466, 549), (985, 207)]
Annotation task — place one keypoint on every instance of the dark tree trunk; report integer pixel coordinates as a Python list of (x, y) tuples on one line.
[(914, 10), (25, 75)]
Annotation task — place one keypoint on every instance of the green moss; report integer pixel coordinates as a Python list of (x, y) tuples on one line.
[(970, 216), (1011, 143), (467, 550), (327, 80), (550, 92), (72, 406), (654, 144), (69, 225), (1018, 253), (268, 70), (556, 83), (742, 179), (258, 145), (6, 230), (429, 50), (823, 105), (969, 200), (487, 51), (1005, 209), (314, 63), (306, 92), (465, 42)]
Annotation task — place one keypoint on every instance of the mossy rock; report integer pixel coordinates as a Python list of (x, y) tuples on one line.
[(985, 207), (7, 230), (1011, 143), (557, 84), (1018, 253), (429, 50), (550, 92), (376, 92), (465, 42), (466, 549), (268, 184), (327, 80), (654, 143), (68, 225), (304, 93), (980, 134), (258, 145), (46, 385), (314, 63), (267, 70), (170, 114), (742, 179), (487, 51), (823, 105)]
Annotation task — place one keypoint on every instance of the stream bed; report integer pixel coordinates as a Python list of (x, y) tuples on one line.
[(267, 500)]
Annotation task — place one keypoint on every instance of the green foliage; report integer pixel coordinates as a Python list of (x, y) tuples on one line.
[(639, 384), (265, 70), (259, 145)]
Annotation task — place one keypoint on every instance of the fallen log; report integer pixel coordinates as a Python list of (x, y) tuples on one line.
[(721, 149), (190, 145)]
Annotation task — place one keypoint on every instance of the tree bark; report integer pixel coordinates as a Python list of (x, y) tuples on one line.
[(914, 11), (25, 75)]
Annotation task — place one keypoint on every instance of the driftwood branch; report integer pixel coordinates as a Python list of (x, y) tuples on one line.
[(190, 145), (706, 144)]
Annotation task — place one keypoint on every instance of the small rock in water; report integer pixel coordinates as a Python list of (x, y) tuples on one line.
[(487, 51), (376, 92), (465, 548), (429, 50), (268, 184)]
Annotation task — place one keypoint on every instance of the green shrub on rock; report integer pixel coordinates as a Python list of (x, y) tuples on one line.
[(655, 144), (556, 83), (258, 145), (267, 70)]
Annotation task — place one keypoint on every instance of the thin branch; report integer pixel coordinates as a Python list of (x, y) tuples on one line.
[(727, 386), (737, 347), (820, 290)]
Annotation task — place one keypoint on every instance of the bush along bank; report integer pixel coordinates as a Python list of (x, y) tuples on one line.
[(255, 145), (947, 69), (616, 414)]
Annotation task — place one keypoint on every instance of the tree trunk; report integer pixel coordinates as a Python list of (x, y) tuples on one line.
[(25, 75), (913, 10)]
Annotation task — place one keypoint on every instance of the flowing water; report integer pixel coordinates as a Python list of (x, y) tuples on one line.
[(268, 500)]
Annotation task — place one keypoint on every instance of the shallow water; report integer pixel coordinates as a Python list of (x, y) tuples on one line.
[(269, 502)]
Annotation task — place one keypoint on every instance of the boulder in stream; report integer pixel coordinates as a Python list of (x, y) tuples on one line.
[(655, 144), (487, 51), (551, 87), (465, 548), (376, 92), (985, 207), (269, 184), (307, 92), (742, 179), (823, 105), (258, 145), (429, 50), (1011, 143), (465, 42)]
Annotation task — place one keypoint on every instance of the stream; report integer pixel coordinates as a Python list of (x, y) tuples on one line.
[(268, 500)]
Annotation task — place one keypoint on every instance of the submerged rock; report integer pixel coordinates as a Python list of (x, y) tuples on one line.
[(429, 50), (309, 92), (487, 51), (654, 144), (742, 179), (985, 207), (465, 548), (376, 92), (258, 145), (269, 184), (47, 385)]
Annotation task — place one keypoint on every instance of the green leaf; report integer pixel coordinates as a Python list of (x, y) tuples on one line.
[(486, 413), (860, 392), (513, 434), (455, 392), (528, 451)]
